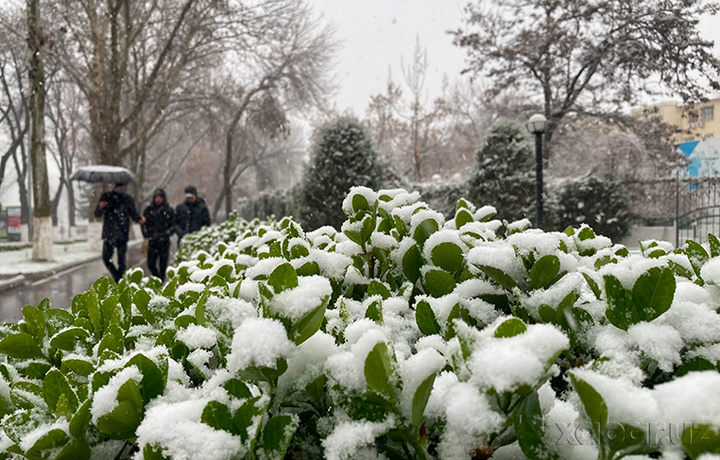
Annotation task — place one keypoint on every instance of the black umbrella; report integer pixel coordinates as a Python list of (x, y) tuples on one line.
[(104, 174)]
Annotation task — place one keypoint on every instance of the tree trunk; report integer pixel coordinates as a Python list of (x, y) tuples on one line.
[(42, 226), (71, 203)]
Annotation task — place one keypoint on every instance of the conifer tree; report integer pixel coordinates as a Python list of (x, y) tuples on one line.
[(504, 174), (342, 158)]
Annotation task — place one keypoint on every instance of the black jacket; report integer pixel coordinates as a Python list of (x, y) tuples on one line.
[(159, 219), (118, 211), (191, 217)]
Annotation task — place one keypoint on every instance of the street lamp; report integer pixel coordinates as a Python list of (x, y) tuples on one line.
[(536, 125)]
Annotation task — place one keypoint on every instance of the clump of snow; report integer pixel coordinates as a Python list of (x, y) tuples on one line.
[(195, 336), (506, 363), (258, 342), (710, 272), (415, 371), (659, 342), (176, 428), (309, 294), (349, 437)]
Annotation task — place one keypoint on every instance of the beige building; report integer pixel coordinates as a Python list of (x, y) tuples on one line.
[(697, 122)]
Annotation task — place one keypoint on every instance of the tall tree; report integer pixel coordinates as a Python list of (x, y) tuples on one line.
[(283, 65), (343, 157), (590, 57), (42, 226)]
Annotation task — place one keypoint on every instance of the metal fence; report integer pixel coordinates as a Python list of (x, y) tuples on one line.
[(690, 204)]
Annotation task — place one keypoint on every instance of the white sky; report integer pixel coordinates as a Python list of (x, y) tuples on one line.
[(376, 34)]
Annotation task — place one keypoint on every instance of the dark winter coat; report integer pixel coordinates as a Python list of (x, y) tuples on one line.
[(159, 219), (191, 217), (118, 211)]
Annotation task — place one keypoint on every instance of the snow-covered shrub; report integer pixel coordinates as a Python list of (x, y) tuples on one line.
[(600, 203), (403, 335), (342, 158)]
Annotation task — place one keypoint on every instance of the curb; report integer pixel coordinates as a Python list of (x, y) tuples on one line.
[(9, 283)]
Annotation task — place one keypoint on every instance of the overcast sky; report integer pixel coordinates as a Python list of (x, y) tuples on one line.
[(376, 34)]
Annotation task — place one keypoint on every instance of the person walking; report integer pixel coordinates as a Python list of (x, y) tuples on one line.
[(159, 219), (116, 208), (191, 215)]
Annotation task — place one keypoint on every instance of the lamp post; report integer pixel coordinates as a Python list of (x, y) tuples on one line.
[(536, 125)]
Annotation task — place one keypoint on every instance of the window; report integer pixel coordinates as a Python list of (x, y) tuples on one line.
[(707, 113)]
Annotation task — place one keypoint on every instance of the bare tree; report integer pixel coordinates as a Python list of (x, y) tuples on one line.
[(590, 57), (285, 67), (65, 114)]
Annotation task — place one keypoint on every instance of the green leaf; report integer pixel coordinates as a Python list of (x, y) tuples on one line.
[(153, 452), (593, 285), (122, 421), (360, 203), (153, 381), (111, 312), (697, 255), (544, 271), (411, 263), (370, 407), (243, 418), (374, 312), (594, 404), (448, 256), (93, 310), (35, 320), (67, 339), (56, 385), (714, 245), (510, 328), (142, 302), (626, 439), (17, 425), (77, 449), (309, 324), (113, 340), (586, 233), (378, 370), (529, 429), (653, 292), (237, 388), (425, 318), (218, 416), (499, 277), (284, 277), (621, 311), (462, 217), (50, 440), (377, 287), (701, 438), (81, 420), (697, 363), (277, 434), (57, 319), (424, 230), (438, 282), (420, 399), (22, 346)]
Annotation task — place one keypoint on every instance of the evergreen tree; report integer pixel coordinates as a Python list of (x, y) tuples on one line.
[(504, 175), (600, 203), (342, 158)]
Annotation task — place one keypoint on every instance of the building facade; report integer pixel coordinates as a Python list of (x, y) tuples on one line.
[(696, 122)]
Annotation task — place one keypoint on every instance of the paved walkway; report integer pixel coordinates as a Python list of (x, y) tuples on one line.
[(17, 267)]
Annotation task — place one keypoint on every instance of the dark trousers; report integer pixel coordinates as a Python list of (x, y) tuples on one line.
[(107, 253), (157, 256)]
